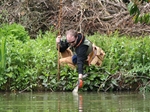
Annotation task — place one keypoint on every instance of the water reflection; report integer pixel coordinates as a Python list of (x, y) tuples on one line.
[(78, 102), (78, 99)]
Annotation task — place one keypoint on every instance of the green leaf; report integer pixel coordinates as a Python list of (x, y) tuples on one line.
[(133, 9), (9, 75), (130, 5)]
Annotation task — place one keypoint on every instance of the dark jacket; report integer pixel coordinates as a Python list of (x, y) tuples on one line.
[(79, 50)]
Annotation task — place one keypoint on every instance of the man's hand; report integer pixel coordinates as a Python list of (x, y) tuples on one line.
[(80, 76), (58, 39)]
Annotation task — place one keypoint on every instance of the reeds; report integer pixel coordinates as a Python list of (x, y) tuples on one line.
[(2, 54)]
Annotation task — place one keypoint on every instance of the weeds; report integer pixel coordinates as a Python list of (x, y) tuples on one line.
[(31, 64)]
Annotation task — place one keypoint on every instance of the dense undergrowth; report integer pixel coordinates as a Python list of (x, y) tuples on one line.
[(31, 64)]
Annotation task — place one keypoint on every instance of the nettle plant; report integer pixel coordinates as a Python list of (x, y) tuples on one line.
[(31, 64), (27, 60)]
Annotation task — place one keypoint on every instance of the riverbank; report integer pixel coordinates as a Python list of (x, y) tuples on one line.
[(31, 64)]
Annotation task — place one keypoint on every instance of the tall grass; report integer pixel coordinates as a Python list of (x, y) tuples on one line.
[(124, 53), (2, 55), (127, 61)]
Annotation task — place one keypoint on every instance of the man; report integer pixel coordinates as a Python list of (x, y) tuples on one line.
[(82, 51)]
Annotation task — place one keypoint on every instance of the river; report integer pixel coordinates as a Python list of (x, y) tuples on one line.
[(75, 102)]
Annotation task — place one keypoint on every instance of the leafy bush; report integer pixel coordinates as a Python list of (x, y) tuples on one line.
[(124, 55), (31, 64), (29, 61), (17, 31)]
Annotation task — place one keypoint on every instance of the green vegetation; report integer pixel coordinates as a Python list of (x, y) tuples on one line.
[(31, 64), (2, 54), (127, 62), (134, 10)]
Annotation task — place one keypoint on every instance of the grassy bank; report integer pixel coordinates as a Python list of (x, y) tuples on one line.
[(31, 64)]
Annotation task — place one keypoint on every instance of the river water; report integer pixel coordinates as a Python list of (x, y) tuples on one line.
[(79, 102)]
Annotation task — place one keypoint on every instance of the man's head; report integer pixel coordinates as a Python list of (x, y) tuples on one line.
[(71, 36)]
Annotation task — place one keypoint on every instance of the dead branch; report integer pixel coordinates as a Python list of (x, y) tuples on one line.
[(88, 16)]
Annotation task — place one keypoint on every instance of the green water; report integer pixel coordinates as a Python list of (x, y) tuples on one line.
[(69, 102)]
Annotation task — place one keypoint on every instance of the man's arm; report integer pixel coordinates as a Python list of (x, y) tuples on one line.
[(81, 58)]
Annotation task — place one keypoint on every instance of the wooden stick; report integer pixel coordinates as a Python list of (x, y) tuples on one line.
[(58, 64), (58, 47)]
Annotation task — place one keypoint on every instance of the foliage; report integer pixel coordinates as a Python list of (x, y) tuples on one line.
[(27, 60), (126, 58), (135, 11), (2, 55), (14, 30), (31, 64)]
